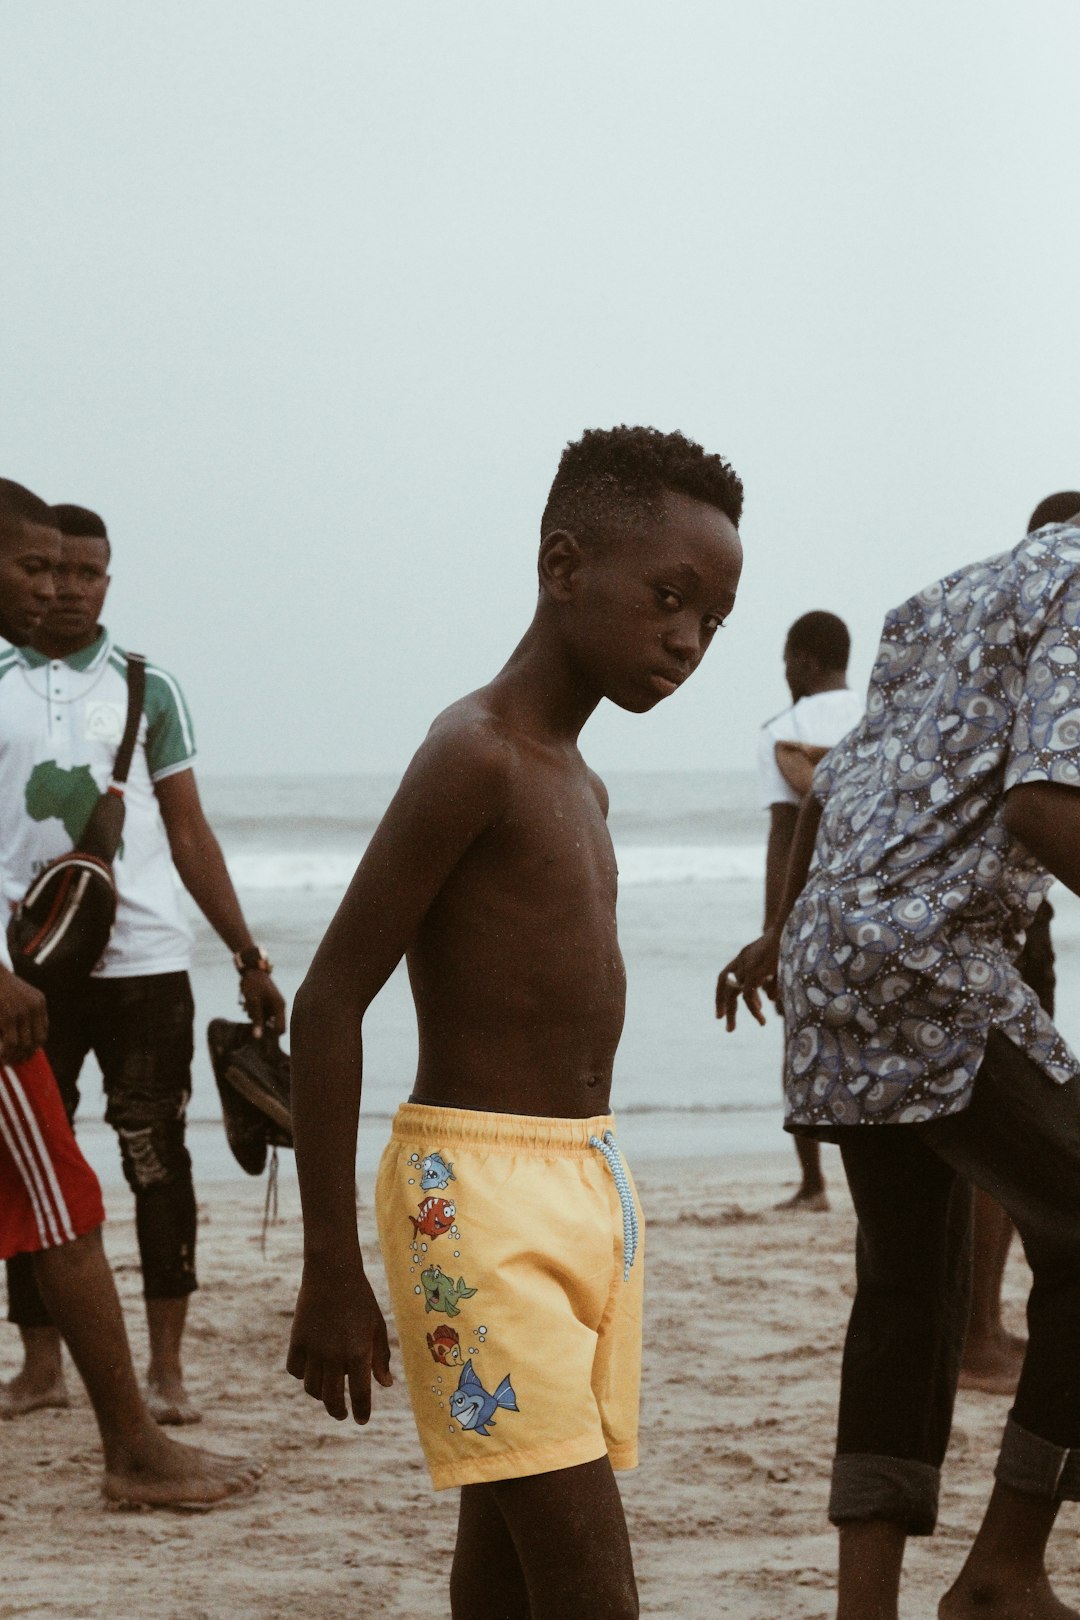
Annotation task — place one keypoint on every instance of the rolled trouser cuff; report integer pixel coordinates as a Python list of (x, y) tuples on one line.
[(897, 1489), (1037, 1467)]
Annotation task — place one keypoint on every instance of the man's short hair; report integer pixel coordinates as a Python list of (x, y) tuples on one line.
[(1057, 508), (824, 636), (18, 506), (611, 477), (81, 523)]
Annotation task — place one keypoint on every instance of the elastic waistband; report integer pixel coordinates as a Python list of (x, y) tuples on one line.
[(525, 1133)]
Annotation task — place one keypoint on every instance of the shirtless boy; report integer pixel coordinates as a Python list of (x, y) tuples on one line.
[(502, 1193)]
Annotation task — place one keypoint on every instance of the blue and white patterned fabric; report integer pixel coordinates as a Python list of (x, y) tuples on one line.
[(897, 958)]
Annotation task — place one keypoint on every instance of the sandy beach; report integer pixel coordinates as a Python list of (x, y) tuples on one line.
[(745, 1317)]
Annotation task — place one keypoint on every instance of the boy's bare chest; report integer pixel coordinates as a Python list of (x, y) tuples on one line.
[(554, 836)]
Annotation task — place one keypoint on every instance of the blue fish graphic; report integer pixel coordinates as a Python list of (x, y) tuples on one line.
[(435, 1173), (473, 1407)]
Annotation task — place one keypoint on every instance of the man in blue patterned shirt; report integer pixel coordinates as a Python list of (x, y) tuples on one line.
[(930, 837)]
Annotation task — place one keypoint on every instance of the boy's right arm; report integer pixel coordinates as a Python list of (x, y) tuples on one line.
[(453, 791)]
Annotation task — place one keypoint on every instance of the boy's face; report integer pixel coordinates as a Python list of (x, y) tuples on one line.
[(82, 579), (648, 605), (29, 553)]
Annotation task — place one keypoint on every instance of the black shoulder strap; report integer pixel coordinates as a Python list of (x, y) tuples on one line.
[(136, 679)]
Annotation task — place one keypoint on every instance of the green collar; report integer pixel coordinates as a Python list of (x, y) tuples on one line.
[(81, 661)]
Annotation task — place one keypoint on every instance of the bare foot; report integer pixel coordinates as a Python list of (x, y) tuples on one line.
[(22, 1394), (171, 1405), (815, 1202), (987, 1600), (162, 1474)]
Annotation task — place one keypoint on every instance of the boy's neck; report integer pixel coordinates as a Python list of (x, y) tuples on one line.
[(543, 691), (830, 681)]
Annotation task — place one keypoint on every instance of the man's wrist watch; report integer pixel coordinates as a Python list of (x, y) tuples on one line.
[(252, 957)]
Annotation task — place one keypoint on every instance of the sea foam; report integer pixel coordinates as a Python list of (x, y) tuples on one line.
[(316, 869)]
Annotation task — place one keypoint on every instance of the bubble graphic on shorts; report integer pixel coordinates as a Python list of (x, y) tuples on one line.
[(457, 1254), (414, 1158), (472, 1349), (412, 1181), (481, 1329), (450, 1426), (417, 1290), (423, 1248), (454, 1233)]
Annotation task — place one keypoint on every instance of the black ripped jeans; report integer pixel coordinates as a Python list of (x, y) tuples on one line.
[(141, 1032)]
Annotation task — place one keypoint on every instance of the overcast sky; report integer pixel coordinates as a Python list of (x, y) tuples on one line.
[(307, 297)]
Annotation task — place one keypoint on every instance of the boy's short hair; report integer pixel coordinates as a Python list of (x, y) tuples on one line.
[(1057, 508), (824, 636), (82, 524), (611, 476), (19, 506)]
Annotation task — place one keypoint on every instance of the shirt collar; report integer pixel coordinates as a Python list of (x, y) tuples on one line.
[(86, 659)]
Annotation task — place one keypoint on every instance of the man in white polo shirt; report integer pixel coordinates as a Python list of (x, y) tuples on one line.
[(823, 709), (62, 709), (50, 1201)]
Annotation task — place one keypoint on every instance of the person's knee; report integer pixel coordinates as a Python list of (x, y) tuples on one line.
[(153, 1154)]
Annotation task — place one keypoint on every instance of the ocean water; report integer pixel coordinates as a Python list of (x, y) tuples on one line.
[(690, 848)]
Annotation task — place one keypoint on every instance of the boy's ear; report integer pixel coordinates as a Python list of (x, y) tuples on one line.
[(561, 556)]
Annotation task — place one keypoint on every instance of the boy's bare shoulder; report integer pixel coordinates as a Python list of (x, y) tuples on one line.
[(468, 746)]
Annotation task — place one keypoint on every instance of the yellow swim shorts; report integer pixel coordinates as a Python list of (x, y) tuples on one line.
[(513, 1250)]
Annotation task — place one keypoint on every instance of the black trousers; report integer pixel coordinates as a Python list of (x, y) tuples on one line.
[(141, 1032), (1019, 1140)]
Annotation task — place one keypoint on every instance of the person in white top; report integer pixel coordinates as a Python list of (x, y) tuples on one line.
[(63, 705), (50, 1202), (823, 709)]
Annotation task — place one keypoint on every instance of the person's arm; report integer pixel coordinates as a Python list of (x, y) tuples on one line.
[(782, 820), (24, 1022), (796, 762), (451, 794), (198, 859), (756, 964), (1045, 817)]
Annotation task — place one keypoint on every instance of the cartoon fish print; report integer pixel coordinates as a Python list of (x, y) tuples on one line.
[(473, 1407), (434, 1217), (435, 1173), (445, 1345), (441, 1293)]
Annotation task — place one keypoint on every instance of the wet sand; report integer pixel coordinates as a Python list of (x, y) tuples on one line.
[(745, 1318)]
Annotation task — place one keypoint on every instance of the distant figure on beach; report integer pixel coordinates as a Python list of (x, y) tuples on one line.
[(503, 1192), (912, 1041), (63, 705), (50, 1202), (823, 709)]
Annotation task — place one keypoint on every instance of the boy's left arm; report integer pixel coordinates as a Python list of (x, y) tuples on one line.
[(198, 859)]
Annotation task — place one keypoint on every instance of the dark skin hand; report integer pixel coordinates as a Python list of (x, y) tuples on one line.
[(754, 969), (24, 1023), (493, 873)]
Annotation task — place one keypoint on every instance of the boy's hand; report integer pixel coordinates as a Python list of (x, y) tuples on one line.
[(339, 1332), (24, 1021), (752, 970)]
